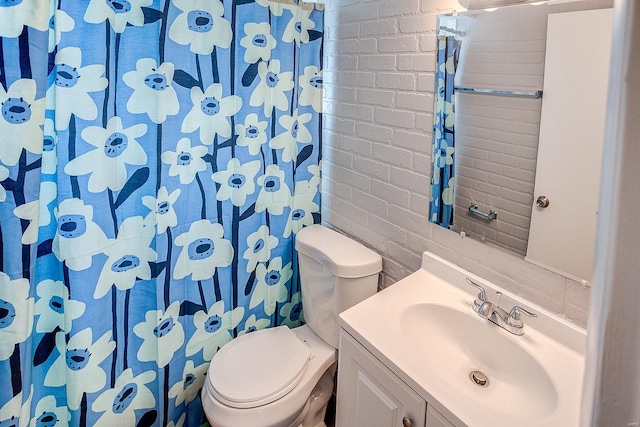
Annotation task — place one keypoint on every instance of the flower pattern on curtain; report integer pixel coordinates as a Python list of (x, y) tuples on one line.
[(157, 158), (442, 173)]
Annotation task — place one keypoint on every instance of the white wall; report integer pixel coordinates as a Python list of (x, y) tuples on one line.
[(380, 57), (612, 380), (497, 137)]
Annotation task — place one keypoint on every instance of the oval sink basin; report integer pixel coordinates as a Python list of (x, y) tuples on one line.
[(476, 374), (453, 344)]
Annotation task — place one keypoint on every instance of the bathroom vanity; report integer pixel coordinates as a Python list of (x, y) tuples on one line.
[(375, 396), (417, 354)]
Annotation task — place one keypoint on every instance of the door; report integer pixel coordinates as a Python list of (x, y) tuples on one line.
[(370, 395), (562, 235)]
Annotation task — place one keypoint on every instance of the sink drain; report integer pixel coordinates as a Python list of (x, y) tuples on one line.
[(479, 379)]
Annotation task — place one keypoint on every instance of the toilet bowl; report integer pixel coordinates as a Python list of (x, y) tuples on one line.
[(251, 403), (281, 377)]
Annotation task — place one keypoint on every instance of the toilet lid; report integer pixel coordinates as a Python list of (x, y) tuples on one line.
[(258, 368)]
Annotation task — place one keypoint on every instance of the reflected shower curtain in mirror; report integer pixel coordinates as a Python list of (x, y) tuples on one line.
[(157, 159), (442, 173)]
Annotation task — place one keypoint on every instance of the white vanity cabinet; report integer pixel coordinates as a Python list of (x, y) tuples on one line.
[(371, 395), (436, 419), (413, 351)]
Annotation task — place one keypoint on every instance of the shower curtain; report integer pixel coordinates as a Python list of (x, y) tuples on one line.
[(442, 173), (157, 158)]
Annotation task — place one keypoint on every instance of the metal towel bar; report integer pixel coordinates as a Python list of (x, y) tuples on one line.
[(473, 208), (511, 93)]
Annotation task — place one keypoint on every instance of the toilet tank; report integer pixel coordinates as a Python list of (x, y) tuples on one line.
[(336, 273)]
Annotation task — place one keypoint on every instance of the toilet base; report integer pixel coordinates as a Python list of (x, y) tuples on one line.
[(316, 407)]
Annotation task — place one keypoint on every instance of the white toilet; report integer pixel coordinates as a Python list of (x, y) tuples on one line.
[(281, 377)]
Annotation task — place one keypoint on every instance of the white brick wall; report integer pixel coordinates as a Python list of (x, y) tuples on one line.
[(379, 101), (496, 137)]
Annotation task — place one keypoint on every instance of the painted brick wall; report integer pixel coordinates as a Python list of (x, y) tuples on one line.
[(379, 80), (497, 137)]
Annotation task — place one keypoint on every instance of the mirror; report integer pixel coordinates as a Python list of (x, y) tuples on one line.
[(519, 115)]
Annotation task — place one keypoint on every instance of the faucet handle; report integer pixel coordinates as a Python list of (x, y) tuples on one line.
[(514, 316), (482, 295)]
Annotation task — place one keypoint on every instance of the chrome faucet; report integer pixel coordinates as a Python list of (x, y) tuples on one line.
[(510, 321)]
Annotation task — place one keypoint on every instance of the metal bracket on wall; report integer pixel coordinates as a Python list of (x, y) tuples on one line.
[(473, 208)]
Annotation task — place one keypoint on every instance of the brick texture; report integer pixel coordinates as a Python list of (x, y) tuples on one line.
[(379, 80), (495, 135)]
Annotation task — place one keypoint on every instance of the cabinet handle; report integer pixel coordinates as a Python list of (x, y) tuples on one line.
[(407, 422), (542, 202)]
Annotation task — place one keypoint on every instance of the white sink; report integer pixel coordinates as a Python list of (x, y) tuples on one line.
[(460, 343), (424, 328)]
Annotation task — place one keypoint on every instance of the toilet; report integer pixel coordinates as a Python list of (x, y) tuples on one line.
[(281, 377)]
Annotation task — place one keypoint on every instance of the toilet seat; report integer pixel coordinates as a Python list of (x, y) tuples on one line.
[(283, 411), (258, 368)]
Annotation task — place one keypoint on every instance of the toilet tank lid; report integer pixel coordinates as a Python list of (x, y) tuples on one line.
[(343, 256)]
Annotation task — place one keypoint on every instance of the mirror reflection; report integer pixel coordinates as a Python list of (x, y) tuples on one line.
[(519, 128)]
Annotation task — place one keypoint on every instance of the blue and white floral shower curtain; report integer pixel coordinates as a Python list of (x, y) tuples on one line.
[(157, 158), (442, 174)]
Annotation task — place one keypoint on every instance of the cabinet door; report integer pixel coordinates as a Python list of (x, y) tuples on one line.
[(369, 394), (436, 419), (562, 237)]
